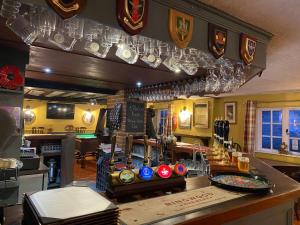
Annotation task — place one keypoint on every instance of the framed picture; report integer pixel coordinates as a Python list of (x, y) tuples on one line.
[(230, 111), (185, 122), (201, 115)]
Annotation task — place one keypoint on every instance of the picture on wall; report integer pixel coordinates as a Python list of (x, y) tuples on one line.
[(201, 115), (185, 119), (230, 111)]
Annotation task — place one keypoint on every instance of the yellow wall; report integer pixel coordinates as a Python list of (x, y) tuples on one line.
[(58, 125), (178, 105), (216, 109), (279, 157), (291, 99)]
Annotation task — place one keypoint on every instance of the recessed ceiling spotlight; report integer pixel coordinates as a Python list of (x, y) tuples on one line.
[(47, 70), (138, 84), (93, 102)]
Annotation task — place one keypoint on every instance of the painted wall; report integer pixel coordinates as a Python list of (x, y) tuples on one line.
[(58, 125), (178, 105), (216, 109), (291, 99)]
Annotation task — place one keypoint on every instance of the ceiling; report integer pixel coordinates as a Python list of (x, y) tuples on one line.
[(110, 73), (82, 69), (62, 95), (281, 18), (282, 74)]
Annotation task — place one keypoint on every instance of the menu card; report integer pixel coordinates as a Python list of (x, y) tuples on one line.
[(69, 206)]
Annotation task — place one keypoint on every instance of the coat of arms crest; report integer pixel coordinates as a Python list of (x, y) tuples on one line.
[(217, 40), (247, 48), (67, 8), (181, 28), (132, 15)]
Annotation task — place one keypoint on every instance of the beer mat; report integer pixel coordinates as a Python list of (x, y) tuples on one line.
[(70, 203), (165, 207)]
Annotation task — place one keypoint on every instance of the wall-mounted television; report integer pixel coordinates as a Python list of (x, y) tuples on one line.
[(60, 111)]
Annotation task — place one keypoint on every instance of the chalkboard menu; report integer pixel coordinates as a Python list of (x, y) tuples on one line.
[(135, 117)]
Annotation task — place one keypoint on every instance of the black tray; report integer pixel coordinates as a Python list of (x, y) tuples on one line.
[(240, 188)]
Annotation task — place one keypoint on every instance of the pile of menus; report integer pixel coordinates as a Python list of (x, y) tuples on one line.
[(70, 205)]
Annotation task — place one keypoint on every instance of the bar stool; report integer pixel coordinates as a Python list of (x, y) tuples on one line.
[(40, 130), (77, 129), (33, 130), (82, 130)]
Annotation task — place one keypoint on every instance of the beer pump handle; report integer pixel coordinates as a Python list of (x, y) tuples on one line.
[(112, 157), (145, 150), (129, 157), (161, 150)]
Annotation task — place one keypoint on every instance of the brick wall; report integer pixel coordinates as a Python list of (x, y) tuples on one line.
[(120, 97)]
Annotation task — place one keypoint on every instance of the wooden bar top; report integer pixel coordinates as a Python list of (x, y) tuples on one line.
[(285, 189), (151, 142), (189, 148), (179, 147)]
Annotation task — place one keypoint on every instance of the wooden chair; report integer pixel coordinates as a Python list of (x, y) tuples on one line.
[(33, 130), (82, 130), (40, 130)]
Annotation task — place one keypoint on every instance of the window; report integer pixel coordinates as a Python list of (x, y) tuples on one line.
[(271, 129), (294, 130), (275, 126), (162, 120)]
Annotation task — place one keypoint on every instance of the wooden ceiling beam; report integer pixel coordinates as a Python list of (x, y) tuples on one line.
[(29, 82), (62, 99)]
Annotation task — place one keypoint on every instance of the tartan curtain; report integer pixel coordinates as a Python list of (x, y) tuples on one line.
[(169, 120), (250, 127)]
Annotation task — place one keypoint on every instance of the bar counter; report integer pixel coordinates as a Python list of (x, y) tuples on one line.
[(274, 208)]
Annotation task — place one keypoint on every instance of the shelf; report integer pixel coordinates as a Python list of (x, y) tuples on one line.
[(11, 91), (137, 155), (50, 154)]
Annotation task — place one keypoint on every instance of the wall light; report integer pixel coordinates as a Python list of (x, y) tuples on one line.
[(138, 84), (93, 102), (184, 114), (88, 117), (29, 115)]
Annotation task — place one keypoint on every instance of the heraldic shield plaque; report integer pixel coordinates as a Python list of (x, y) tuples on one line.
[(247, 48), (67, 8), (217, 40), (181, 27), (132, 15)]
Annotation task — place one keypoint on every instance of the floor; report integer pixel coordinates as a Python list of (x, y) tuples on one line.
[(89, 173)]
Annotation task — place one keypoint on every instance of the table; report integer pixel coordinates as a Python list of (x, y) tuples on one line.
[(274, 208), (86, 143)]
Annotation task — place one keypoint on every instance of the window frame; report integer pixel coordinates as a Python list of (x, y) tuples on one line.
[(288, 127), (285, 125), (259, 128), (159, 119)]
